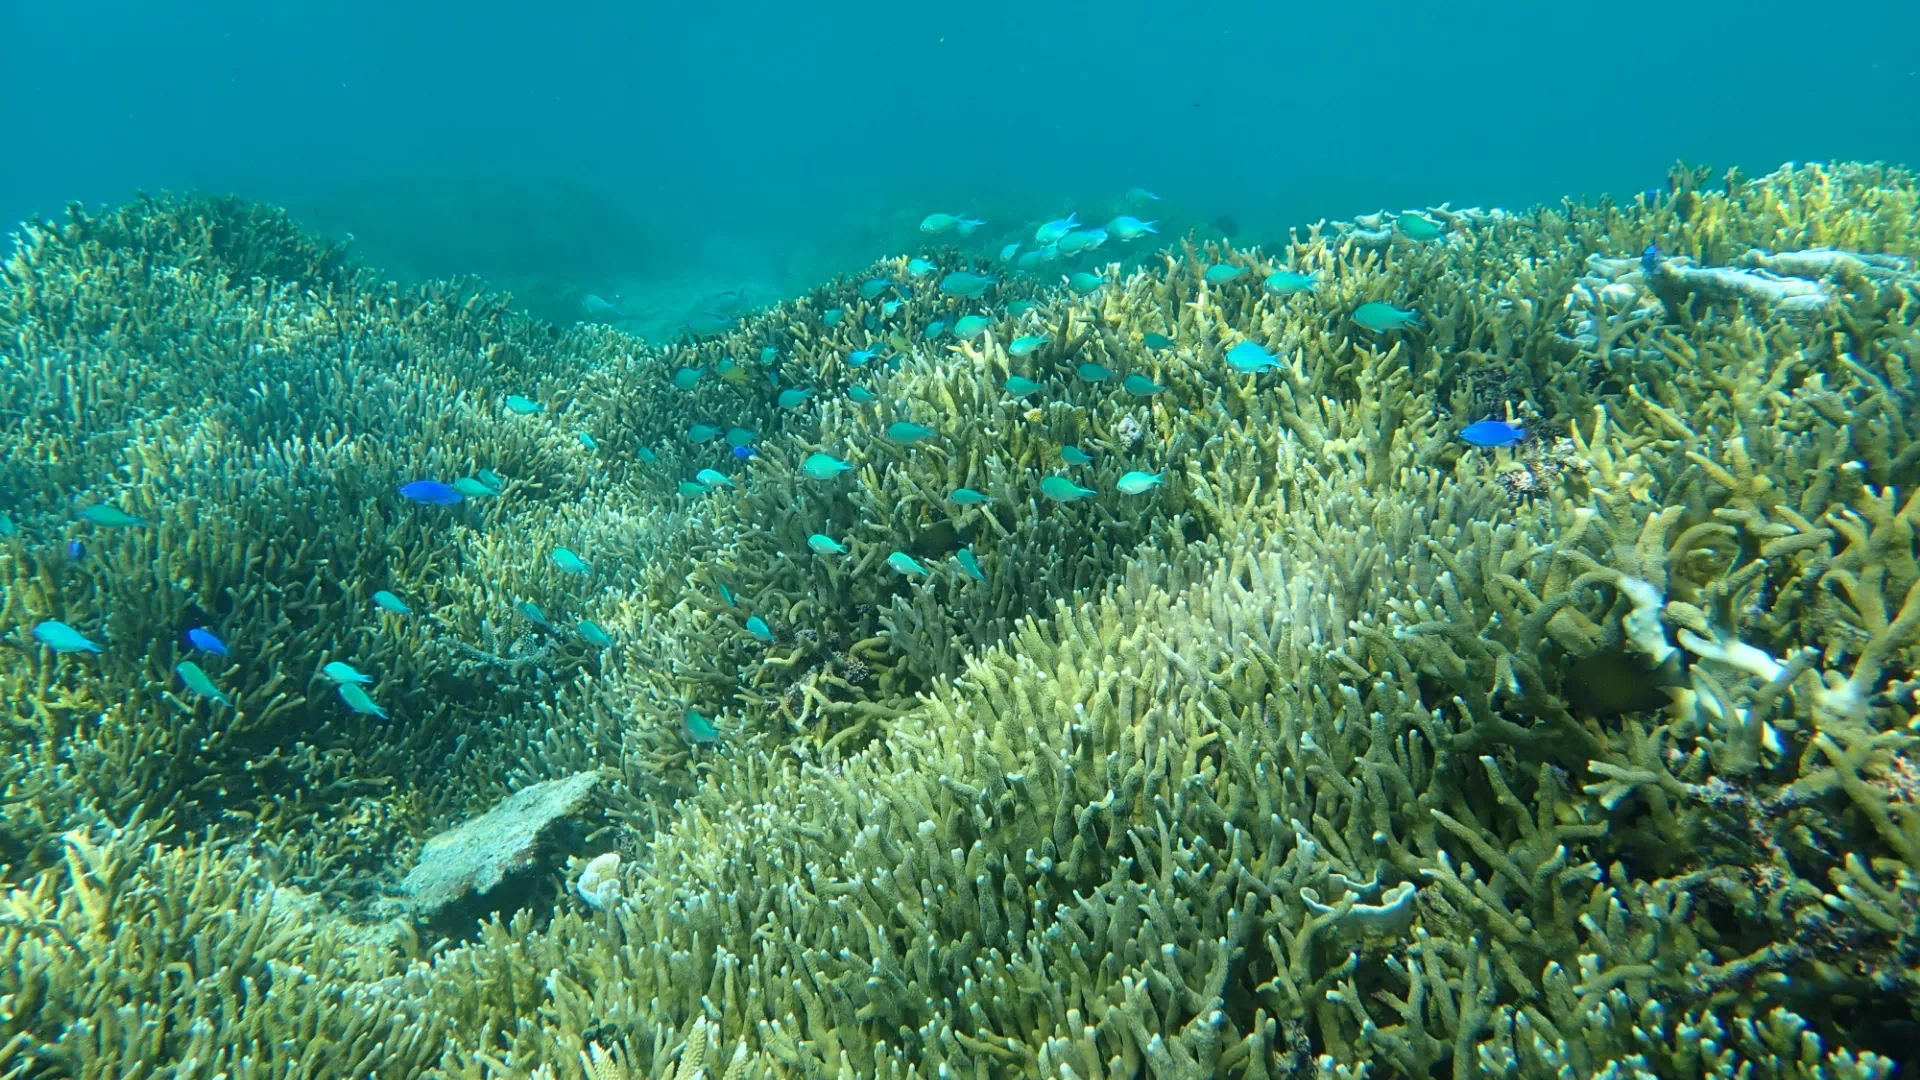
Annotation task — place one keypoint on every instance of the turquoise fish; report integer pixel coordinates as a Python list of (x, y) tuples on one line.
[(969, 564), (1061, 489), (1136, 483), (822, 544), (971, 326), (198, 682), (1141, 386), (110, 517), (1026, 344), (966, 497), (522, 406), (902, 563), (390, 603), (1381, 317), (62, 638), (699, 728), (1287, 282), (1021, 386), (357, 700), (1249, 358), (592, 633), (568, 562), (907, 433), (758, 627), (823, 466)]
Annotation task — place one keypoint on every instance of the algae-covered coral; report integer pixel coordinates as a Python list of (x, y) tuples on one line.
[(1350, 748)]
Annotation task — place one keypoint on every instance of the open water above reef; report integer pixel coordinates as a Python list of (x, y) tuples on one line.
[(1107, 540)]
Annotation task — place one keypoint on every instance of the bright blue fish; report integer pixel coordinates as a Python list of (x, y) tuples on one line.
[(1493, 433), (204, 640), (431, 492)]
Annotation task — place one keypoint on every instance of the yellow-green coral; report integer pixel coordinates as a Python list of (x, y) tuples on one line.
[(1290, 768)]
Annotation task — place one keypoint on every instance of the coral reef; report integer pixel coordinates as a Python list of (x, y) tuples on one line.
[(1348, 750)]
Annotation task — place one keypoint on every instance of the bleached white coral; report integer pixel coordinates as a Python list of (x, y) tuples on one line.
[(599, 881)]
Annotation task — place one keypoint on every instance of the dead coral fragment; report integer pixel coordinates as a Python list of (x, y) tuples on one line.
[(469, 860)]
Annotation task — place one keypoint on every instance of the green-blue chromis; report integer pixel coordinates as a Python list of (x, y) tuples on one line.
[(110, 517), (1381, 317), (1083, 283), (688, 487), (966, 283), (966, 497), (1026, 344), (1287, 282), (1021, 386), (390, 603), (1061, 489), (860, 395), (62, 638), (1141, 386), (198, 682), (969, 564), (357, 700), (341, 672), (534, 615), (568, 562), (822, 544), (522, 406), (1093, 372), (758, 627), (1137, 483), (971, 326), (907, 433), (592, 633), (1222, 273), (794, 397), (473, 488), (586, 440), (740, 436), (823, 466), (699, 728), (1250, 359), (902, 563), (1073, 455), (1052, 231), (1419, 227), (713, 478), (1156, 342), (702, 433), (686, 378)]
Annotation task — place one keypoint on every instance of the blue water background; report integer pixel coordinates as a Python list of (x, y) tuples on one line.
[(643, 145)]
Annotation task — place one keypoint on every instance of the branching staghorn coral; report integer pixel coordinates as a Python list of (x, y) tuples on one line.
[(1328, 757)]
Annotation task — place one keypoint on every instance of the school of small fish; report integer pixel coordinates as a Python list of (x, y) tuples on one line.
[(1051, 241)]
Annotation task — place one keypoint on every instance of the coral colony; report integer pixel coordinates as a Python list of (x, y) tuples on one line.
[(1459, 643)]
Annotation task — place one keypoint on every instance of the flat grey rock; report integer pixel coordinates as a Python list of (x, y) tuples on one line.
[(472, 858)]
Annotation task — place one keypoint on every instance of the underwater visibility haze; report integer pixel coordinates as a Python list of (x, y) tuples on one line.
[(772, 541)]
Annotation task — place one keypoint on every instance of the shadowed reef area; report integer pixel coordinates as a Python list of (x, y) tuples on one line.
[(1350, 748)]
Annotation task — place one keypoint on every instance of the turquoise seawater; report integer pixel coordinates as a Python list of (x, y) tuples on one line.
[(987, 540)]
